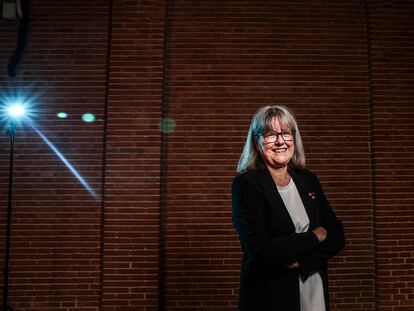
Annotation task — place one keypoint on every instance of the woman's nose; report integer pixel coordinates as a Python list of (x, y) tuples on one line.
[(279, 139)]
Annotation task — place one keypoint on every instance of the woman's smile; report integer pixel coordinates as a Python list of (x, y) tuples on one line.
[(277, 154)]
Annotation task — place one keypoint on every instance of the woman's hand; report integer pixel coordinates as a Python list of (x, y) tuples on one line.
[(292, 265), (321, 233)]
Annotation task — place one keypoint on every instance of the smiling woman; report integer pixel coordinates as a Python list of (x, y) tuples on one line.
[(264, 131), (286, 226), (277, 148)]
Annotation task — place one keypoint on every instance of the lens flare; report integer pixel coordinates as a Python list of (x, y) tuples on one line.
[(88, 117), (16, 111), (16, 108), (62, 115), (167, 125), (65, 161)]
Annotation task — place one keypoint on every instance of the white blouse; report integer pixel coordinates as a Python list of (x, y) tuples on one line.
[(311, 291)]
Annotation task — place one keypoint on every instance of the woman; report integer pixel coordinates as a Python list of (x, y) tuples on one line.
[(286, 226)]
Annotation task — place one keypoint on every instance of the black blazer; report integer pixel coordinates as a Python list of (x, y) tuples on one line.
[(269, 242)]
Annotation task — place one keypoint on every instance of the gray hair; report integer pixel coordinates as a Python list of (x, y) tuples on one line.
[(250, 158)]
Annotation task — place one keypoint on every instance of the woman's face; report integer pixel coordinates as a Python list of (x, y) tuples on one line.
[(277, 149)]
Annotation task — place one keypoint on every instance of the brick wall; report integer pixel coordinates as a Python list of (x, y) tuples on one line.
[(159, 234), (56, 233), (228, 59), (393, 132), (132, 182)]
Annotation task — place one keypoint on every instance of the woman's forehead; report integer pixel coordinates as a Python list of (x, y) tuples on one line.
[(276, 123)]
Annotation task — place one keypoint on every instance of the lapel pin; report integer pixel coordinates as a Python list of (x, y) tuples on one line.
[(312, 195)]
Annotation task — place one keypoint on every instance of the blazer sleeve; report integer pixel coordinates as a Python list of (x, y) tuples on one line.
[(249, 218), (334, 242)]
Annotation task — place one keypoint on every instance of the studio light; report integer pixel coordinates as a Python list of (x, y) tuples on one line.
[(16, 111), (13, 112)]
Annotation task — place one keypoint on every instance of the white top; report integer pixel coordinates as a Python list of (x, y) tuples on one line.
[(311, 291)]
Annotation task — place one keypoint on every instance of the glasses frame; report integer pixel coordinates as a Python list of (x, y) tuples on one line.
[(293, 132)]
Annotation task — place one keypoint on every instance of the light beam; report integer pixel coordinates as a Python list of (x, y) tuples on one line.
[(65, 161)]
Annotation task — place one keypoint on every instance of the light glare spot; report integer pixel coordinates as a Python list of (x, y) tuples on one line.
[(88, 117), (62, 115), (16, 111), (167, 125)]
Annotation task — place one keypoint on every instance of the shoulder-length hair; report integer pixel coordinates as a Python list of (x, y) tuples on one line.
[(261, 123)]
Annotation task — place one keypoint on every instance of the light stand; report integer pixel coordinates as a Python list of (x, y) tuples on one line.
[(10, 132)]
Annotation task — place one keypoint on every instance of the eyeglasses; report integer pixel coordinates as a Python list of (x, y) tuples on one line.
[(272, 136)]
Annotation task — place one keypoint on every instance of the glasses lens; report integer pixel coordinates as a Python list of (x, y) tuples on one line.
[(287, 135), (271, 137)]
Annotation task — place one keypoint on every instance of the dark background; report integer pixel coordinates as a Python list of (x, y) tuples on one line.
[(160, 235)]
